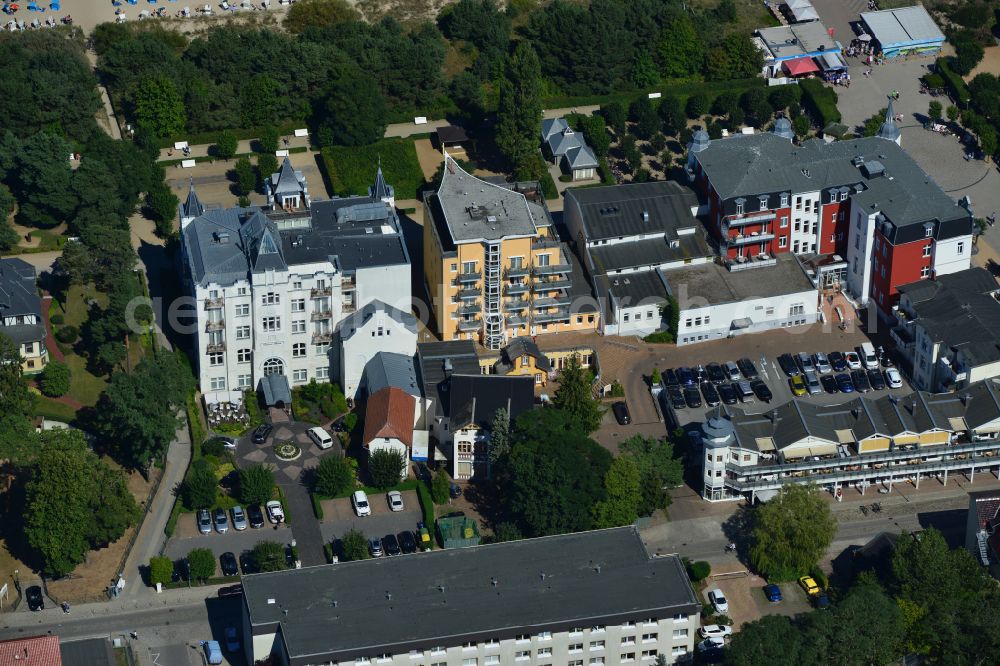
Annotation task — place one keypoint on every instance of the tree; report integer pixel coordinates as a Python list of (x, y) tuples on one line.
[(644, 72), (614, 116), (680, 48), (772, 639), (200, 486), (934, 110), (791, 532), (385, 467), (519, 109), (246, 179), (354, 546), (968, 54), (506, 532), (318, 14), (74, 503), (658, 470), (201, 564), (874, 123), (500, 438), (783, 97), (952, 112), (55, 379), (672, 114), (41, 179), (267, 138), (988, 141), (162, 204), (801, 125), (697, 105), (621, 486), (596, 134), (440, 487), (8, 237), (574, 396), (267, 164), (258, 99), (18, 402), (161, 570), (268, 556), (226, 144), (256, 484), (354, 112), (756, 105), (849, 635), (333, 476), (642, 112), (159, 108)]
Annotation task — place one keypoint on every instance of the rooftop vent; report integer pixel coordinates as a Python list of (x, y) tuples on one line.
[(222, 237), (491, 218), (645, 216)]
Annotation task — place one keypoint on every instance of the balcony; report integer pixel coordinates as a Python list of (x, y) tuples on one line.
[(320, 315), (740, 220), (347, 308), (347, 283), (547, 317), (514, 289), (517, 320), (516, 304), (322, 338), (215, 325), (542, 243), (469, 293), (472, 309), (319, 292), (214, 303), (552, 269), (747, 263), (471, 277), (542, 303), (509, 273), (466, 325), (749, 239), (549, 285), (216, 348)]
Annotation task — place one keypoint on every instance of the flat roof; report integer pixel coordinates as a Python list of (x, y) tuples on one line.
[(713, 284), (796, 40), (611, 211), (394, 604), (904, 26)]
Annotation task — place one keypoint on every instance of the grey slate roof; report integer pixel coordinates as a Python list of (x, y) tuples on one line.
[(888, 129), (553, 126), (617, 210), (350, 325), (712, 283), (581, 157), (395, 604), (517, 348), (432, 358), (19, 297), (476, 398), (389, 369), (275, 389), (287, 180), (565, 141), (192, 205), (381, 189)]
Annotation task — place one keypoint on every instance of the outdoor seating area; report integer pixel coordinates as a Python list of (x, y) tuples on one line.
[(222, 407)]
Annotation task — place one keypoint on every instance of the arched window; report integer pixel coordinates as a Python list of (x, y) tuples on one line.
[(274, 366)]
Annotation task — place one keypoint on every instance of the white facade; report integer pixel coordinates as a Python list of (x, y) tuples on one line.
[(640, 319), (372, 330), (804, 236), (952, 255), (391, 444), (701, 322), (860, 237)]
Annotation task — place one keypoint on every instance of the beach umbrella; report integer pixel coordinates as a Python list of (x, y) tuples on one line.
[(865, 38), (32, 7), (55, 6)]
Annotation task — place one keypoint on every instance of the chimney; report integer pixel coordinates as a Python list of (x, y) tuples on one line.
[(645, 216), (447, 368)]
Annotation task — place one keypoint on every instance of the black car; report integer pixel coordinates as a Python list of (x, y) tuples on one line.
[(454, 491), (228, 563), (676, 394), (829, 383), (423, 472), (716, 374), (407, 542), (262, 432), (860, 380), (390, 545), (788, 365), (181, 570), (33, 595), (670, 378), (231, 590), (692, 397), (621, 413), (876, 380), (701, 374), (686, 376), (246, 562), (760, 390), (711, 395), (837, 361), (728, 394), (255, 516), (748, 369)]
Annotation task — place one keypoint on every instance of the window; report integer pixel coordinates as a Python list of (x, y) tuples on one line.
[(218, 383), (468, 267), (300, 375), (242, 332), (517, 262), (243, 355), (763, 203), (795, 246), (925, 271), (271, 323), (739, 207), (769, 311), (544, 652), (215, 359), (649, 314), (454, 268), (798, 225), (782, 241), (362, 660), (385, 656), (270, 298), (574, 648), (299, 349), (651, 637), (322, 349), (543, 260), (798, 203), (492, 643), (522, 638), (545, 636), (597, 661), (296, 284), (274, 366), (784, 221), (299, 326), (678, 651), (471, 661), (784, 199), (575, 662), (626, 625), (437, 651), (243, 381), (322, 373), (241, 291), (960, 247), (628, 640), (649, 622), (522, 655), (680, 633), (492, 659), (650, 654), (243, 310), (928, 231), (796, 309), (298, 305), (596, 645), (625, 317), (625, 657)]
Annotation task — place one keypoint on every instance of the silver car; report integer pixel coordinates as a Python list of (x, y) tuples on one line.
[(812, 383), (822, 363), (221, 521), (239, 518), (204, 521)]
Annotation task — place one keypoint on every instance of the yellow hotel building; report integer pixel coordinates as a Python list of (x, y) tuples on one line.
[(494, 265)]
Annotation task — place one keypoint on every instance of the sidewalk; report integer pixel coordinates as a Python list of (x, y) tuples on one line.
[(202, 150)]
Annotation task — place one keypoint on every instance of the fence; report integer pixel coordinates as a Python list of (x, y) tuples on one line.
[(142, 519)]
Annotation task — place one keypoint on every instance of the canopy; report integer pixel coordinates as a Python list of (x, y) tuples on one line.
[(800, 66), (802, 10), (832, 62)]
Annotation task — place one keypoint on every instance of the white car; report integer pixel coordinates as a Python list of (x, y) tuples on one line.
[(718, 601), (359, 500), (274, 512), (395, 500), (711, 644), (853, 360), (321, 437), (893, 379), (715, 631)]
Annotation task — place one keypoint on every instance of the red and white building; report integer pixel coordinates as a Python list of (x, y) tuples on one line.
[(861, 212)]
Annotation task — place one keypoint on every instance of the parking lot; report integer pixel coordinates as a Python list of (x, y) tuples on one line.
[(339, 517), (187, 538), (748, 603)]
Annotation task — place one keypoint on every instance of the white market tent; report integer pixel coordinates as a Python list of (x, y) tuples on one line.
[(802, 10)]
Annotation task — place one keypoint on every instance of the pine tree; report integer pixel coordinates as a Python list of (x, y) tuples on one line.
[(520, 106)]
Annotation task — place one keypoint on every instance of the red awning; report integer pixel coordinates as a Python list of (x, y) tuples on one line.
[(800, 66)]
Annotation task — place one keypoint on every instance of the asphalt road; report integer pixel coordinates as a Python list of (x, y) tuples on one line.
[(191, 617)]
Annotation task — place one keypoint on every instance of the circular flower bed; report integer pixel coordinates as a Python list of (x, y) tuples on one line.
[(287, 451)]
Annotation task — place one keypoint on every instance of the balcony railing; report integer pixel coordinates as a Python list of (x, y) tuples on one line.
[(552, 269), (322, 338), (216, 348), (544, 242), (348, 307), (747, 263), (546, 317), (513, 289), (213, 303), (756, 218), (517, 320), (748, 239), (470, 324), (515, 272), (215, 325), (470, 277), (546, 302), (541, 286), (469, 293), (516, 304), (475, 308), (318, 292), (321, 314)]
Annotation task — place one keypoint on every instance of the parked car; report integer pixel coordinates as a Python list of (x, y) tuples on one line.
[(228, 443), (821, 601), (407, 542), (713, 644), (829, 383), (227, 562), (390, 545), (256, 516), (860, 379), (275, 513), (809, 585), (320, 437), (221, 521), (36, 600), (715, 630), (395, 499), (718, 600), (822, 363), (853, 360), (844, 383), (262, 432), (868, 356), (454, 490), (686, 376), (232, 640), (748, 369), (761, 390), (359, 500), (213, 651), (837, 361), (620, 410), (204, 521), (239, 518), (893, 379), (692, 397), (788, 365), (710, 394), (732, 371), (670, 378), (744, 390), (728, 395), (375, 546), (422, 472), (715, 372), (798, 385), (231, 590), (773, 593), (247, 562), (676, 395), (805, 362), (812, 382), (876, 380)]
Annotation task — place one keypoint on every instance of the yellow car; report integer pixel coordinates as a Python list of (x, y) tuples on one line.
[(798, 385), (809, 585)]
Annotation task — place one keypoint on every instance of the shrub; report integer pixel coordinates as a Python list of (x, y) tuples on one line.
[(317, 505), (697, 105), (385, 467), (268, 556), (160, 570), (820, 102), (655, 378), (549, 189), (256, 484), (57, 319), (201, 563), (660, 337), (214, 446), (268, 139), (55, 379), (354, 546), (199, 488), (333, 476), (351, 421), (819, 576), (440, 487), (954, 82), (699, 570), (67, 334)]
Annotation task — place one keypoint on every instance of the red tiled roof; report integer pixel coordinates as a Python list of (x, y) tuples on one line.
[(389, 414), (35, 651)]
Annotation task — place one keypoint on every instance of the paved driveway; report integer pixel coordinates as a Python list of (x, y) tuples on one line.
[(339, 517), (232, 541)]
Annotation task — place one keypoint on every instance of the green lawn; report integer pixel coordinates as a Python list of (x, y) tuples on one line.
[(74, 310), (52, 409), (83, 386), (352, 170)]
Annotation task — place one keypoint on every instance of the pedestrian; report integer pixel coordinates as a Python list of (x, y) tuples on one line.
[(134, 635)]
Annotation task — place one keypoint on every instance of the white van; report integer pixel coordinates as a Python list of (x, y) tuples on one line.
[(321, 437), (360, 501), (868, 357)]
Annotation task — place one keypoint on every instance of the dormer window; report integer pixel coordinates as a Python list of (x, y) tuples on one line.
[(843, 195), (763, 203), (784, 199), (739, 206)]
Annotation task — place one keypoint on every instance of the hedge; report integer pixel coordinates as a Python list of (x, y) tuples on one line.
[(317, 502), (427, 505), (549, 189), (200, 138), (351, 170), (820, 101), (682, 90), (175, 514), (954, 82)]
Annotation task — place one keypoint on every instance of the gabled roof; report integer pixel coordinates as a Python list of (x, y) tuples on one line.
[(387, 369), (357, 320), (562, 143), (438, 361), (275, 389), (18, 294), (517, 348), (581, 157), (389, 414), (476, 398), (553, 126)]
